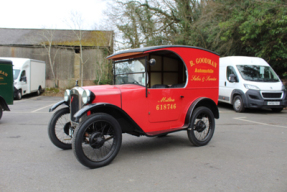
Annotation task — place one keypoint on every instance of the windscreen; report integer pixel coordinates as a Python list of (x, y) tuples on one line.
[(130, 72), (258, 73), (16, 73)]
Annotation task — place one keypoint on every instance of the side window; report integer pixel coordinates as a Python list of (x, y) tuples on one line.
[(230, 70), (169, 71), (23, 76)]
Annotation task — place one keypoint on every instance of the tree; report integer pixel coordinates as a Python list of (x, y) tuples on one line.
[(251, 28), (48, 37), (228, 27), (76, 23)]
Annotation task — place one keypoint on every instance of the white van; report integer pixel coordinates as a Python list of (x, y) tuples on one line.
[(250, 82), (29, 76)]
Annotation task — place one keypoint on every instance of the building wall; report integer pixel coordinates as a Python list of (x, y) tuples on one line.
[(67, 63)]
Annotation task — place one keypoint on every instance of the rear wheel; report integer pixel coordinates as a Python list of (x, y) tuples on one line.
[(202, 126), (238, 104), (97, 140), (59, 129), (39, 91)]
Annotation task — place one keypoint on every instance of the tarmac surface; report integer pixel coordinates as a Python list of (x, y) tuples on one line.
[(247, 153)]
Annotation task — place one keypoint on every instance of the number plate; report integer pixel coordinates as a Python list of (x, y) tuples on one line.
[(273, 103)]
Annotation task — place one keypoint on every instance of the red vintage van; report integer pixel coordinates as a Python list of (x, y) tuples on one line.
[(157, 90)]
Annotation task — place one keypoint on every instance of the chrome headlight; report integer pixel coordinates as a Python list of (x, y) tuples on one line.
[(87, 97), (67, 95), (251, 87)]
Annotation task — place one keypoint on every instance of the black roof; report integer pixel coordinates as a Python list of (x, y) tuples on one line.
[(144, 49), (2, 61)]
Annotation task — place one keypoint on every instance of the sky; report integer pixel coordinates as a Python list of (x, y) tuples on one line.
[(52, 14)]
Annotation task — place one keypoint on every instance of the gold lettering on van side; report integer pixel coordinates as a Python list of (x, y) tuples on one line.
[(206, 61), (165, 107), (3, 73), (191, 63), (203, 70), (164, 99), (211, 78), (195, 78), (202, 79)]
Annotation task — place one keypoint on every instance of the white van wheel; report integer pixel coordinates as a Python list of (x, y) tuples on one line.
[(19, 95), (238, 104), (39, 91), (1, 112)]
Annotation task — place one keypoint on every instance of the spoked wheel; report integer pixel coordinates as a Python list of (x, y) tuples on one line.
[(97, 140), (60, 130), (201, 127)]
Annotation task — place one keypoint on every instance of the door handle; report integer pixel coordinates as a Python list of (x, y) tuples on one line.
[(181, 96), (225, 83)]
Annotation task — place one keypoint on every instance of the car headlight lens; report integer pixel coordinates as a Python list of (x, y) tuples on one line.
[(67, 95), (283, 88), (87, 97), (251, 87)]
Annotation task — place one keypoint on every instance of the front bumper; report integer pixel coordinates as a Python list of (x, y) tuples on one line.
[(255, 99)]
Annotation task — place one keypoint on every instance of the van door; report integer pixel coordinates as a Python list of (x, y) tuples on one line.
[(23, 82), (230, 82), (164, 104)]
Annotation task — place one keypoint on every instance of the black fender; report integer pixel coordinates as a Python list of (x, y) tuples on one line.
[(128, 125), (3, 104), (63, 102), (202, 101), (241, 93)]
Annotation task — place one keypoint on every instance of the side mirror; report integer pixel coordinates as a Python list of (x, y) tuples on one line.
[(152, 62), (232, 78)]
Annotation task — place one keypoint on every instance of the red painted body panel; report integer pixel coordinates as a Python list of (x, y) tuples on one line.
[(106, 94), (166, 108)]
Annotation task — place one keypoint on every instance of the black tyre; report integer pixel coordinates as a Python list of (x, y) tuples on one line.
[(59, 129), (97, 140), (238, 104), (162, 135), (39, 91), (202, 126), (19, 95), (277, 110), (1, 112)]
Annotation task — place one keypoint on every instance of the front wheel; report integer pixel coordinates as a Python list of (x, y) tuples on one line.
[(238, 104), (60, 130), (202, 126), (1, 112), (19, 95), (97, 140)]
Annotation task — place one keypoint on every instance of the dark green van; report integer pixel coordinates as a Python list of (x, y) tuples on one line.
[(6, 85)]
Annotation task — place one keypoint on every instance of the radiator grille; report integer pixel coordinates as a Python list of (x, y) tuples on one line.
[(74, 105), (272, 95)]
